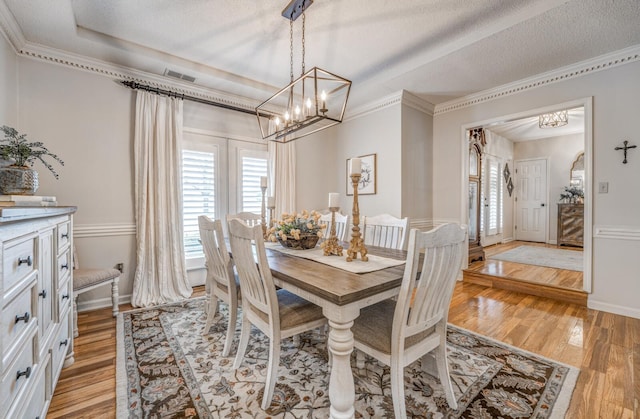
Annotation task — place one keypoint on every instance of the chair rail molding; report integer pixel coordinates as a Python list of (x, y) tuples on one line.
[(102, 230), (583, 68), (616, 233)]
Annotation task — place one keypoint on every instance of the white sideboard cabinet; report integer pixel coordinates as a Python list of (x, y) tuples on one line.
[(36, 339)]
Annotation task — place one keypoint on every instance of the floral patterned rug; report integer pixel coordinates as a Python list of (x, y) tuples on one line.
[(168, 369)]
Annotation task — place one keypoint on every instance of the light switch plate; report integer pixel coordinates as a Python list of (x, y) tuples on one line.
[(603, 187)]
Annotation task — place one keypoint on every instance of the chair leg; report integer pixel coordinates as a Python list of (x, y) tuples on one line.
[(115, 297), (75, 315), (243, 342), (397, 387), (443, 372), (272, 371), (231, 327), (359, 359), (211, 314)]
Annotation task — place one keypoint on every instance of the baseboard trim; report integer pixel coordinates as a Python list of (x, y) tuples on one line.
[(99, 303), (613, 308)]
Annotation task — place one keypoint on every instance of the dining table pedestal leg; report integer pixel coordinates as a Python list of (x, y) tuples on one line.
[(341, 387)]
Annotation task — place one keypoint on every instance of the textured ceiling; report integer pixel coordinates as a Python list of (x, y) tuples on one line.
[(436, 49)]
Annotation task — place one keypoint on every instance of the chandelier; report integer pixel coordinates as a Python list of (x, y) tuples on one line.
[(554, 119), (313, 102)]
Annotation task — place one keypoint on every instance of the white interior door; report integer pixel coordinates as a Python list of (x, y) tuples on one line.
[(531, 200)]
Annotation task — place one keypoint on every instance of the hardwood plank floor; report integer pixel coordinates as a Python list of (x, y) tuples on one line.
[(562, 284), (606, 347)]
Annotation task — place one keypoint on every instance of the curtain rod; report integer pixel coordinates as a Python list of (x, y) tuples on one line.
[(138, 86)]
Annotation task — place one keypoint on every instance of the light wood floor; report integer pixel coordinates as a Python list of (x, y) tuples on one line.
[(561, 284), (606, 348)]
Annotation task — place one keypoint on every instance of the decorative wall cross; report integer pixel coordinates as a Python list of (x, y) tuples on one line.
[(624, 150)]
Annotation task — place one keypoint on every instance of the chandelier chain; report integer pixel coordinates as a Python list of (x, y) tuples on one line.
[(304, 16), (291, 46)]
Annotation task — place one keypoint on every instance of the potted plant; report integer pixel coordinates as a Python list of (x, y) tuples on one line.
[(18, 178)]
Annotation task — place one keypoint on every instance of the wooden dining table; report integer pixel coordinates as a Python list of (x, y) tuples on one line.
[(341, 294)]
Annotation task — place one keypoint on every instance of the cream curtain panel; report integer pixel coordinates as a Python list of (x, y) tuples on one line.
[(282, 175), (161, 275)]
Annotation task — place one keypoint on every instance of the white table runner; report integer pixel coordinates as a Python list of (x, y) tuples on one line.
[(375, 263)]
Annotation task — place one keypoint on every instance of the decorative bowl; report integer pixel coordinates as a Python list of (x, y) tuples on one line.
[(307, 241)]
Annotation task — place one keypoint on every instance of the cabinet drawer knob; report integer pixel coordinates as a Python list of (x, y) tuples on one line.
[(65, 266), (64, 236), (26, 373), (24, 318), (43, 294), (26, 260), (64, 342), (65, 296)]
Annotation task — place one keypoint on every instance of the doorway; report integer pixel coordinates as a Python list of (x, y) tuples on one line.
[(530, 215)]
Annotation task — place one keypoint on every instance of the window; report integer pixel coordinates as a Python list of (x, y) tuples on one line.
[(252, 169), (198, 195), (493, 196), (219, 176)]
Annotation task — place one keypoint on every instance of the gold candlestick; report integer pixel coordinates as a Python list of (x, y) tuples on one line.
[(357, 243), (331, 246), (263, 213)]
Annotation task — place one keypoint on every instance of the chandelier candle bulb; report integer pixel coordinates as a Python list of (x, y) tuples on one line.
[(271, 202), (334, 199), (356, 166), (263, 181)]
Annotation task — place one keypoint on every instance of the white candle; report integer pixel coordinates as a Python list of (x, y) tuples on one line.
[(334, 199), (271, 201), (263, 181), (356, 166)]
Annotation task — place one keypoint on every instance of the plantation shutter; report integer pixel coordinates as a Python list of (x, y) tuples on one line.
[(199, 195), (494, 197), (252, 169)]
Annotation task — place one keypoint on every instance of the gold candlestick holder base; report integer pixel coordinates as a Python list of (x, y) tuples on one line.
[(331, 246), (357, 243)]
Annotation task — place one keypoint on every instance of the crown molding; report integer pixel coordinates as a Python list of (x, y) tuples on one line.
[(401, 97), (10, 29), (117, 73), (583, 68)]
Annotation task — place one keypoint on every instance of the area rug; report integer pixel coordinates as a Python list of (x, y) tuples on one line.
[(543, 256), (167, 368)]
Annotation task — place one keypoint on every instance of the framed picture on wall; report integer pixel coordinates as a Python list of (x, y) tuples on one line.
[(367, 185)]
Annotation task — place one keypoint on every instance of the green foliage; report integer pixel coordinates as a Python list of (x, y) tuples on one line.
[(15, 147), (571, 193)]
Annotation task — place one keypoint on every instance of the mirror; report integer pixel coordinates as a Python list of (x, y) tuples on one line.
[(577, 172)]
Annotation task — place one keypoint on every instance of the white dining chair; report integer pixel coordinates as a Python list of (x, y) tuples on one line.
[(342, 225), (221, 283), (385, 231), (398, 333), (278, 314), (251, 219)]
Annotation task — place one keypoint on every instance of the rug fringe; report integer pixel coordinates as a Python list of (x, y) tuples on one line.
[(122, 410)]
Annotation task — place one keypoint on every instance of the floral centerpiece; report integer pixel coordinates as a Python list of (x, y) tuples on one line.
[(297, 231), (572, 194)]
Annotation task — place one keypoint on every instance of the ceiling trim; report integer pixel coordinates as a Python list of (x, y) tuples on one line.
[(10, 28), (404, 97), (119, 73), (583, 68)]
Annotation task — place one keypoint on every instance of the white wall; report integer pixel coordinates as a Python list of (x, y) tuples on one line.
[(416, 165), (560, 153), (616, 100), (8, 85)]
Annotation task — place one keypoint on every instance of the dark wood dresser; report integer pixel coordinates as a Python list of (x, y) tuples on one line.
[(570, 224)]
